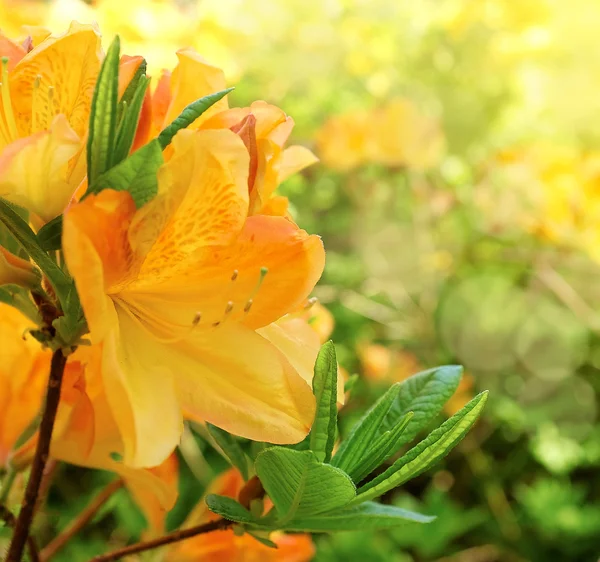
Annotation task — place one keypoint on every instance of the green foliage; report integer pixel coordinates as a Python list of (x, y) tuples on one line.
[(322, 434), (136, 174), (427, 452), (231, 448), (189, 115), (103, 116)]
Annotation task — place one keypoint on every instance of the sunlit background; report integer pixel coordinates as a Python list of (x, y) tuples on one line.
[(458, 195)]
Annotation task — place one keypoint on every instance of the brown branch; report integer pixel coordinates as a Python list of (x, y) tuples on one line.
[(176, 536), (7, 516), (25, 518), (80, 521)]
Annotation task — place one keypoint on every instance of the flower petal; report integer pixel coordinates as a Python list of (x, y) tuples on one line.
[(229, 283), (42, 188), (69, 64), (236, 380), (139, 385), (98, 254), (203, 202), (192, 79), (300, 344), (23, 373)]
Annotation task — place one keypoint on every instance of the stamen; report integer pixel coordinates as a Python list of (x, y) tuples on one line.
[(310, 302), (7, 103), (35, 104), (235, 275), (248, 306), (197, 319), (50, 104), (229, 308)]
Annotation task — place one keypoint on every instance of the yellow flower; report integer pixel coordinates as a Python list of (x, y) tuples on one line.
[(24, 368), (85, 432), (226, 546), (264, 128), (341, 142), (45, 101), (176, 292), (397, 134)]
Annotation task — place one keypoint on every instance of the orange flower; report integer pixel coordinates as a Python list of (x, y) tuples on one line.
[(85, 433), (177, 291), (397, 134), (264, 128), (226, 546), (45, 102)]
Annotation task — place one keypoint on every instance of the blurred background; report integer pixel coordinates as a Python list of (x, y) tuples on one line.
[(458, 195)]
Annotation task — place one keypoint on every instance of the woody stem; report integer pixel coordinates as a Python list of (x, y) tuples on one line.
[(25, 518), (176, 536)]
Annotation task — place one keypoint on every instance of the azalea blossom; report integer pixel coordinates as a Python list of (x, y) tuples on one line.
[(45, 100), (85, 433), (177, 292), (264, 128)]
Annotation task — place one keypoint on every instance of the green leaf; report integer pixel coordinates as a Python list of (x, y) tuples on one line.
[(368, 516), (426, 453), (50, 235), (129, 122), (136, 174), (424, 394), (231, 448), (19, 298), (383, 448), (364, 432), (189, 115), (139, 76), (322, 435), (26, 238), (229, 509), (103, 115), (300, 485)]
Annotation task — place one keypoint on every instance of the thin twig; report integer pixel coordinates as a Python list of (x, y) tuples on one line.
[(176, 536), (25, 518), (7, 516), (81, 520)]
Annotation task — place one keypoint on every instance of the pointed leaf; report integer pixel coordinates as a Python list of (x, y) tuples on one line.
[(50, 235), (299, 485), (368, 516), (136, 174), (103, 115), (364, 432), (129, 122), (424, 394), (139, 76), (322, 435), (229, 509), (383, 448), (231, 448), (26, 238), (189, 115), (429, 451)]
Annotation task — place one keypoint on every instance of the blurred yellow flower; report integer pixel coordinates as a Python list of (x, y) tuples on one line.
[(226, 546), (171, 289), (397, 134), (559, 193)]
